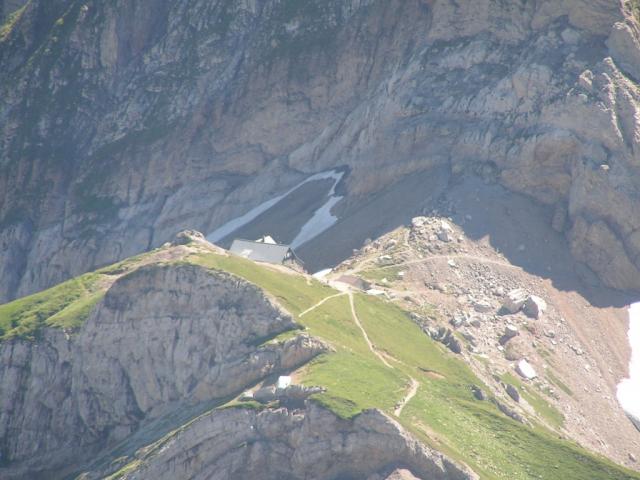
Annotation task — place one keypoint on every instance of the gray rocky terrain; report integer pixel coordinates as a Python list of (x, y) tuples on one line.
[(123, 123), (163, 338), (292, 445)]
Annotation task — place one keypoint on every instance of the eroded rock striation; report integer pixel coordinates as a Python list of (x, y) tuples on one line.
[(284, 444), (164, 337), (124, 122)]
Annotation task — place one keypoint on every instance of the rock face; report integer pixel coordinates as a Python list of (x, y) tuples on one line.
[(534, 307), (116, 133), (162, 336), (514, 300), (279, 444)]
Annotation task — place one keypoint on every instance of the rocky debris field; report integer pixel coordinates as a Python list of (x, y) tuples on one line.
[(543, 351)]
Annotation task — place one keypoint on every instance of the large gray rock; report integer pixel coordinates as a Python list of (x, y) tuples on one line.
[(514, 300), (534, 307), (510, 331), (513, 392), (624, 46)]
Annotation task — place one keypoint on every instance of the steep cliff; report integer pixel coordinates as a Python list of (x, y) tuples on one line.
[(281, 444), (162, 337), (124, 122)]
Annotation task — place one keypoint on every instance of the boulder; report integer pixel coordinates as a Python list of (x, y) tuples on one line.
[(514, 300), (525, 370), (534, 307), (510, 331), (447, 338), (458, 320), (509, 412), (512, 392), (284, 381), (478, 393), (476, 321), (454, 345), (398, 474), (418, 222), (186, 237), (300, 392), (265, 394), (482, 306), (445, 233)]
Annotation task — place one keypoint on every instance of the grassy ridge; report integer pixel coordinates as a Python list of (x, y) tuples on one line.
[(66, 305), (443, 413)]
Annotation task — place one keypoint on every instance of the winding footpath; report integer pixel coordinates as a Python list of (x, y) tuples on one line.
[(364, 333), (313, 307), (413, 389), (345, 290), (442, 257)]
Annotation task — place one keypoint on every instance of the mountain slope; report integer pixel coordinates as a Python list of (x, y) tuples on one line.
[(123, 123), (136, 421)]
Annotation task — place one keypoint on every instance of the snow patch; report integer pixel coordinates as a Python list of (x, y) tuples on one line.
[(322, 273), (629, 389), (238, 222), (322, 218)]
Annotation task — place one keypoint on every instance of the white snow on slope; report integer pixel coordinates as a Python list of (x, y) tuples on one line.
[(321, 220), (234, 224), (629, 388)]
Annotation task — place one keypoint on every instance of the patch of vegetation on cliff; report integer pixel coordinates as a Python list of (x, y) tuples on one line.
[(553, 378), (541, 406), (12, 19), (635, 9), (378, 275), (66, 305)]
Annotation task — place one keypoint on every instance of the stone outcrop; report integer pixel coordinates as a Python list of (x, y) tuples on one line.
[(116, 133), (277, 444), (534, 307), (514, 300), (164, 336)]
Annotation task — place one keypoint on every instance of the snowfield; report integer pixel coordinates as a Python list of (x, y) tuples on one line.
[(321, 220), (629, 388)]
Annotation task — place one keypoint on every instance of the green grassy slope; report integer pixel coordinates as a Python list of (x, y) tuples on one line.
[(66, 305), (443, 412)]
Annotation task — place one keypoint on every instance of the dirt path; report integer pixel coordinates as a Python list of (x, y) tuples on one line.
[(448, 257), (364, 333), (413, 389), (313, 307)]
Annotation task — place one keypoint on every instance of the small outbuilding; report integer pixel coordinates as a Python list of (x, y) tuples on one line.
[(266, 250)]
